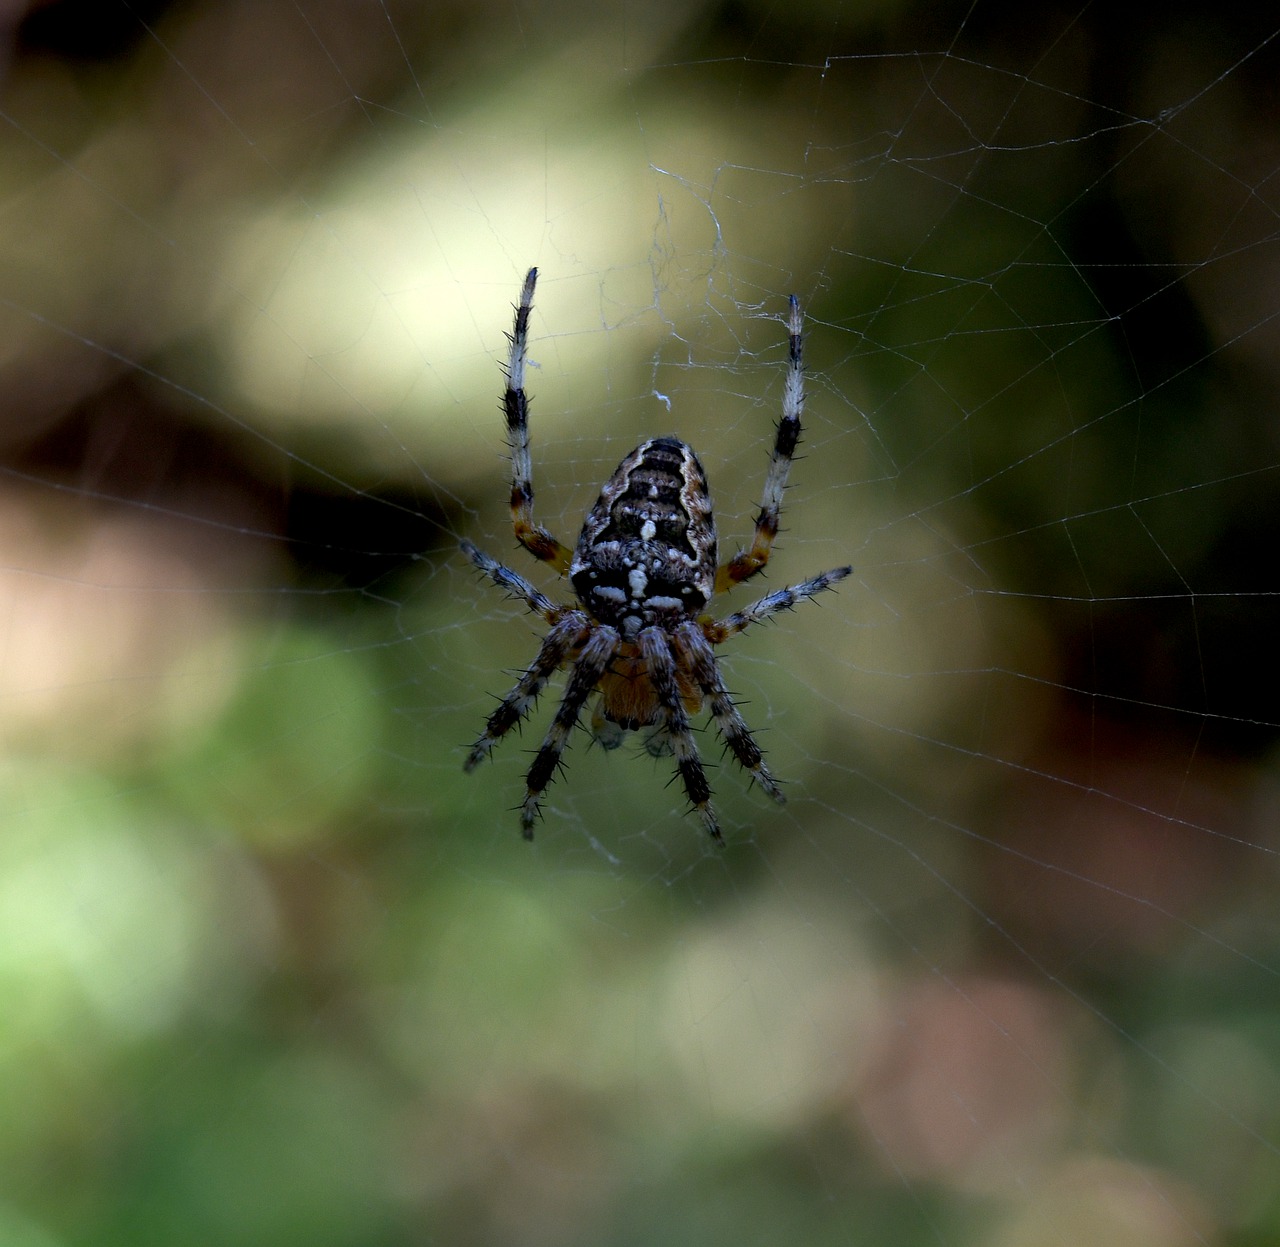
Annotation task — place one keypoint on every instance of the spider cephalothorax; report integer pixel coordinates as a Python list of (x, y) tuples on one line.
[(643, 571)]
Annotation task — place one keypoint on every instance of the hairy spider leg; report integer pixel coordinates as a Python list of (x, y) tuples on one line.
[(514, 583), (779, 600), (569, 629), (557, 647), (515, 404), (695, 650), (655, 645), (746, 563), (587, 670)]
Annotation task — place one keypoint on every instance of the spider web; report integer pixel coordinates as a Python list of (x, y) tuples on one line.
[(1004, 968)]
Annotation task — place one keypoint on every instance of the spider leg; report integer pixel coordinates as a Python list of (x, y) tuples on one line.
[(588, 668), (514, 584), (779, 600), (693, 647), (515, 404), (661, 666), (557, 645), (746, 563)]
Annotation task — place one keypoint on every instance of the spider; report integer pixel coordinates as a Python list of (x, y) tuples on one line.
[(643, 570)]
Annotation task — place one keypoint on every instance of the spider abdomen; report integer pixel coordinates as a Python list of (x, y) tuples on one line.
[(647, 553)]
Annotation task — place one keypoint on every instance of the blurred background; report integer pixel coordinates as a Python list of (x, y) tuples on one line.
[(1003, 971)]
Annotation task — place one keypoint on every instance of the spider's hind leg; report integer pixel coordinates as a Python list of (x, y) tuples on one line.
[(515, 405), (746, 563)]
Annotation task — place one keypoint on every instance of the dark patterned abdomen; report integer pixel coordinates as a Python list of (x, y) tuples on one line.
[(647, 553)]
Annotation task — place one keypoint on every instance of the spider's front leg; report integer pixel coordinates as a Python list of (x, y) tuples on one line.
[(655, 645), (699, 658), (557, 646), (694, 644), (746, 563), (515, 404), (569, 630), (588, 670)]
